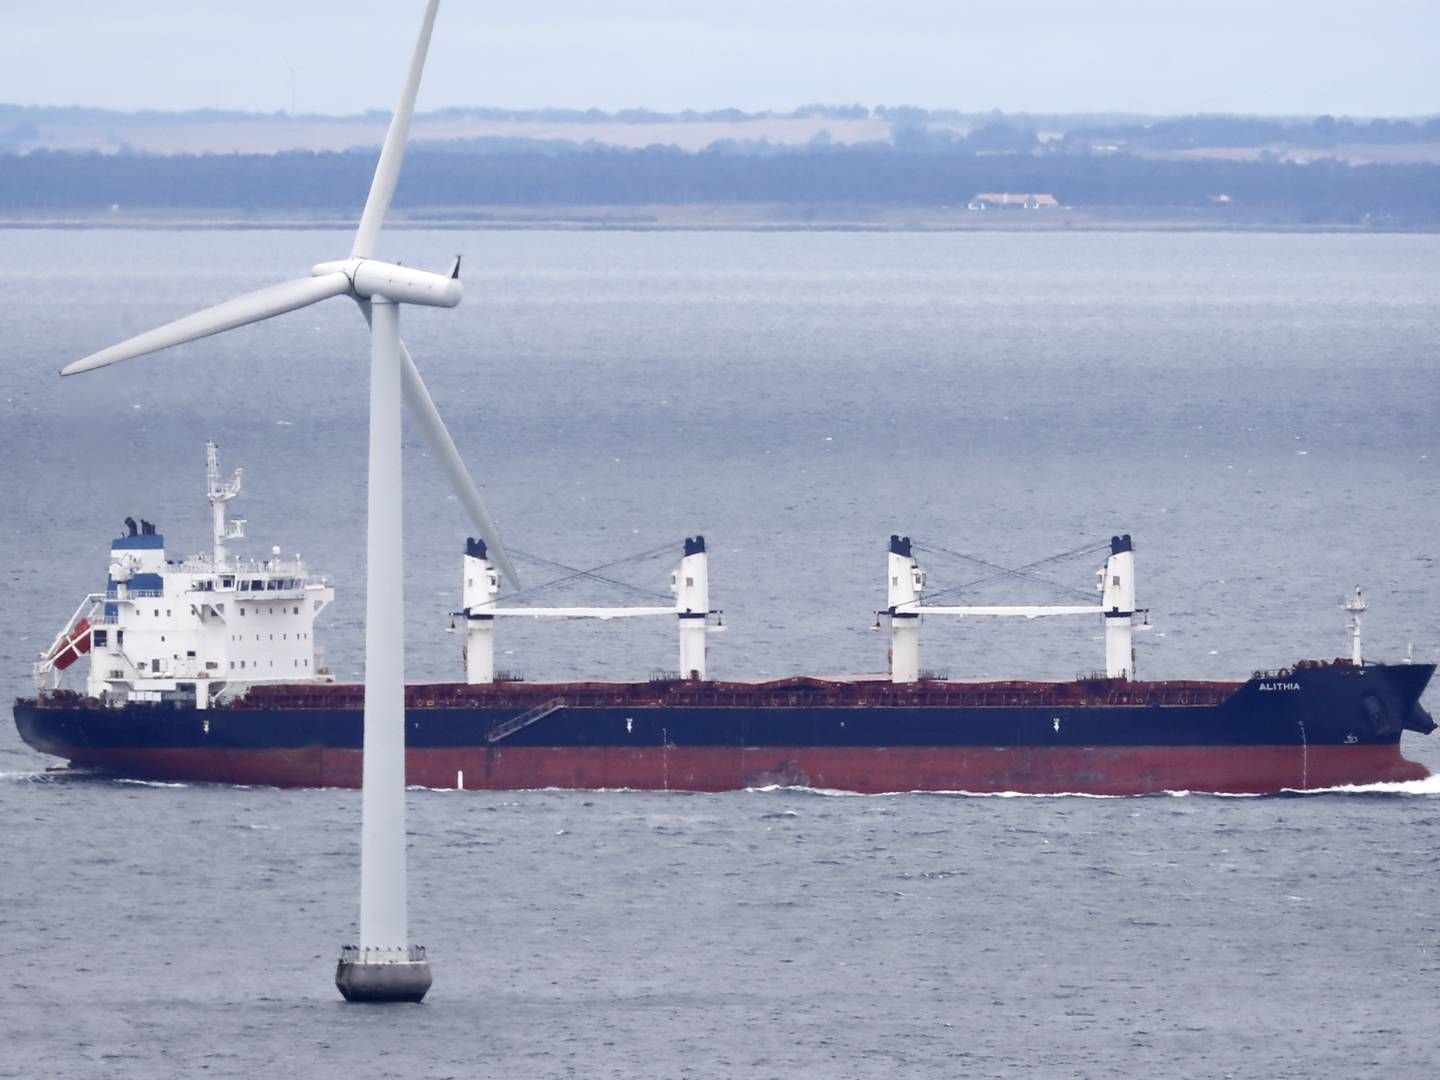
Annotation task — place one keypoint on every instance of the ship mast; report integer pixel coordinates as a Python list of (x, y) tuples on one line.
[(1356, 606), (219, 493), (906, 583)]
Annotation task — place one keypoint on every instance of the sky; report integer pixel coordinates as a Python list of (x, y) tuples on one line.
[(1271, 57)]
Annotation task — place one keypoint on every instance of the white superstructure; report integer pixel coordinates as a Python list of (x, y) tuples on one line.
[(206, 627)]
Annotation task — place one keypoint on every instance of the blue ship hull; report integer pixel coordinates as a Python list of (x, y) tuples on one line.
[(1318, 725)]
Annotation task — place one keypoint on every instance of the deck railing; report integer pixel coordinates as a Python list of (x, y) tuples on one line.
[(354, 954)]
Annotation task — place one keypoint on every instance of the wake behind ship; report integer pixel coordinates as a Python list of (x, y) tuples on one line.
[(205, 669)]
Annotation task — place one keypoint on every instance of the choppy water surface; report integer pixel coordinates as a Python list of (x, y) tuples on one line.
[(1258, 411)]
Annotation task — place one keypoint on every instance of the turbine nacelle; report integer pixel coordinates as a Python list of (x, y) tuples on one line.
[(373, 282), (371, 278)]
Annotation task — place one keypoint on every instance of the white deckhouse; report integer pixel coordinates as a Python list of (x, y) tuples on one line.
[(204, 628)]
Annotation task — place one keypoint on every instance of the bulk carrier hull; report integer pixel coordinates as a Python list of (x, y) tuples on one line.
[(1316, 726)]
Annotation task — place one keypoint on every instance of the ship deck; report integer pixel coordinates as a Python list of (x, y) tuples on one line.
[(804, 691)]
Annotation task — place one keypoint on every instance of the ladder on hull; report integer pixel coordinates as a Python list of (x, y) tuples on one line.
[(505, 728)]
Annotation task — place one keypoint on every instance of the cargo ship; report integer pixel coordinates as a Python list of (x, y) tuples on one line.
[(205, 670)]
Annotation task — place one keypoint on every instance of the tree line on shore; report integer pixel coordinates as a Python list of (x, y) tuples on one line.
[(925, 176)]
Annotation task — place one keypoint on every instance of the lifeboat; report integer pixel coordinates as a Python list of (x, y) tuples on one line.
[(75, 645)]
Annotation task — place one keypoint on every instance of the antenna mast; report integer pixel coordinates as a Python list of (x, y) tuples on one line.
[(219, 493)]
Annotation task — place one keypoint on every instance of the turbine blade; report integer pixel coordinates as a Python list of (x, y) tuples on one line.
[(387, 172), (252, 307), (422, 407)]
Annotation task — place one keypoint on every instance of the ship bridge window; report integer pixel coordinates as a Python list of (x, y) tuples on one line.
[(226, 583), (257, 585)]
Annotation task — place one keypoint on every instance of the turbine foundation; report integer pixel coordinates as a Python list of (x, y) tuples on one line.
[(380, 976)]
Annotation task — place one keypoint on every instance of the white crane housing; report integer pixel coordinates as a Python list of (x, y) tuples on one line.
[(690, 582), (906, 582)]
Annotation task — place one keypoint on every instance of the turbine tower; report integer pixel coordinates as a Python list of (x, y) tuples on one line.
[(384, 966)]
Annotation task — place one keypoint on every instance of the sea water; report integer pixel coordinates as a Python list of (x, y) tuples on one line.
[(1258, 411)]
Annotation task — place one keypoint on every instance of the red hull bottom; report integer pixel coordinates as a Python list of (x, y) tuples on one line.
[(1028, 770)]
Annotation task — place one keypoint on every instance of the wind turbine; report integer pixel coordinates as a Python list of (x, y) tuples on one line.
[(384, 967)]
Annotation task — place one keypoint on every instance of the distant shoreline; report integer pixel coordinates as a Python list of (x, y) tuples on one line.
[(838, 188)]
